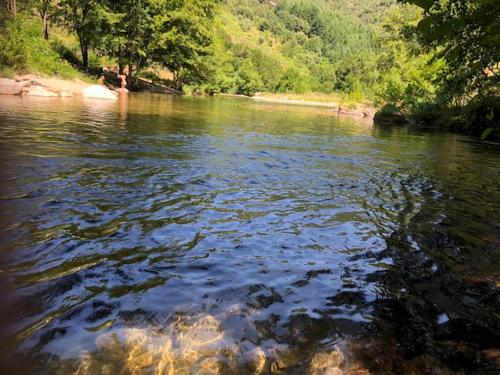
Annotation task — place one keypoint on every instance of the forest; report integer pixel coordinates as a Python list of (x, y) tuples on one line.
[(436, 60)]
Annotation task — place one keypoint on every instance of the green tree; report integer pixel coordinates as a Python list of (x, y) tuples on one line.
[(127, 34), (44, 8), (182, 37), (248, 81), (467, 34), (85, 18), (409, 72)]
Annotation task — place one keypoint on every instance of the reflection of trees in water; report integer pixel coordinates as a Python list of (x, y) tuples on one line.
[(432, 311)]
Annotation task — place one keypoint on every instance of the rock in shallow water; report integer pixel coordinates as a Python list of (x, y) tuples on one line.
[(99, 92), (327, 363)]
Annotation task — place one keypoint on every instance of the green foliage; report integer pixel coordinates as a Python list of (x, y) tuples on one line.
[(408, 71), (298, 46), (181, 38), (248, 81), (87, 18), (13, 52), (293, 81), (22, 49), (466, 32), (483, 112)]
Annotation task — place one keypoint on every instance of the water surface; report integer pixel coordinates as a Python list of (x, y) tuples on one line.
[(216, 235)]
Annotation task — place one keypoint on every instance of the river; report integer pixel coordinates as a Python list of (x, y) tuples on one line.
[(224, 236)]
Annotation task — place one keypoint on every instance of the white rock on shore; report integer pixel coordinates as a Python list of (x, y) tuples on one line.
[(10, 87), (99, 92), (40, 91)]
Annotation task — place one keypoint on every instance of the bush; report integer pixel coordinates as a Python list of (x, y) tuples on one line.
[(248, 81), (23, 50), (482, 113), (293, 81), (13, 52)]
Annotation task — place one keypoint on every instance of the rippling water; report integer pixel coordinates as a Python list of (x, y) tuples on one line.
[(214, 235)]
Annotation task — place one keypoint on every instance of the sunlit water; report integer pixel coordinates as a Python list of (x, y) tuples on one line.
[(159, 235)]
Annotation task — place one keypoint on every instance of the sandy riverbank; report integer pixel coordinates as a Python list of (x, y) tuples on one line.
[(324, 101)]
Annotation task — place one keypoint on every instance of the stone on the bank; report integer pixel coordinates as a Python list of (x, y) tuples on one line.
[(99, 92), (40, 91), (10, 87)]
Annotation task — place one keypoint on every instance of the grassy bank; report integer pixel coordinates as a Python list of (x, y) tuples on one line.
[(23, 51)]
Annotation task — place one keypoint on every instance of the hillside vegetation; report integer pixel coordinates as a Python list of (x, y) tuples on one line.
[(296, 46)]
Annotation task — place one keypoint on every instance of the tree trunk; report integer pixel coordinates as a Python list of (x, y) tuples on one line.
[(177, 82), (45, 25), (130, 69), (120, 61), (85, 55), (129, 77), (12, 7)]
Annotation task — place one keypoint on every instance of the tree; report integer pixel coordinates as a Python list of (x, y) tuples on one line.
[(128, 35), (467, 34), (45, 9), (181, 38), (408, 70), (12, 7), (85, 18), (248, 81)]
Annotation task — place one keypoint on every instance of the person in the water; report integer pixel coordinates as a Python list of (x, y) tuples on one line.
[(123, 78)]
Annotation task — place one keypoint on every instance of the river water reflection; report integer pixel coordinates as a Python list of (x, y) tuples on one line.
[(216, 235)]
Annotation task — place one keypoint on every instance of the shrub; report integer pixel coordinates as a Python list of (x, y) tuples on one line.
[(23, 50), (13, 52)]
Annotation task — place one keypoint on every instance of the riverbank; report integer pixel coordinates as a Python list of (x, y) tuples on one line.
[(74, 87), (39, 85), (331, 101), (480, 117)]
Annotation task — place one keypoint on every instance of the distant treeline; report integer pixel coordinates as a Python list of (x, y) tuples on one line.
[(410, 54)]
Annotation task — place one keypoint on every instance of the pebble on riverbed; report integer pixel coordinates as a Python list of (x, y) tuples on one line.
[(199, 344)]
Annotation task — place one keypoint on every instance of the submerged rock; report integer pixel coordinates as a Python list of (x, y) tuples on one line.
[(99, 92), (39, 91), (327, 363), (10, 87)]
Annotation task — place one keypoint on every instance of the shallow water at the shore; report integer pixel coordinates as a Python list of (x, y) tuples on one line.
[(219, 235)]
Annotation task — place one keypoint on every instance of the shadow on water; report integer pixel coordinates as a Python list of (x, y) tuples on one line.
[(208, 236)]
